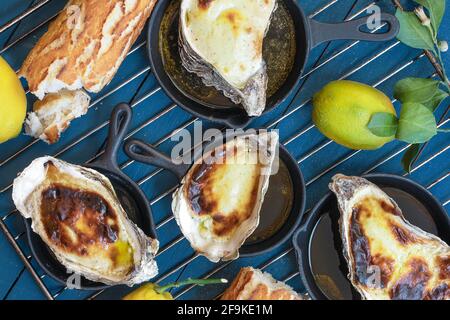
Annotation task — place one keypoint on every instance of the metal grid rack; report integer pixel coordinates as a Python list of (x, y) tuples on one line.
[(287, 251)]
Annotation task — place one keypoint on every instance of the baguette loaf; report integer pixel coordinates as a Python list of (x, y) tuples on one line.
[(84, 46), (253, 284)]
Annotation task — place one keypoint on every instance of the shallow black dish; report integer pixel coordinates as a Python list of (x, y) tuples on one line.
[(308, 34), (145, 153), (318, 244), (130, 195)]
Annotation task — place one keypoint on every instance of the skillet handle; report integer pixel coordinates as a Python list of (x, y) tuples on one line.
[(146, 153), (118, 127), (236, 122), (350, 30)]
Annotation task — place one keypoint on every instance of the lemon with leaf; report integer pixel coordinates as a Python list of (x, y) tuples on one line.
[(13, 104), (343, 110)]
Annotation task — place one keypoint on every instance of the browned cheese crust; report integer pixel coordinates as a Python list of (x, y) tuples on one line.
[(388, 257)]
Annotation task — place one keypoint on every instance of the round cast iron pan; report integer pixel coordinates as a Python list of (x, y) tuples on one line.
[(145, 153), (309, 34), (131, 197), (431, 217)]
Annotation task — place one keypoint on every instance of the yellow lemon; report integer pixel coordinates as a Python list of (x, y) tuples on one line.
[(343, 109), (13, 103), (148, 292)]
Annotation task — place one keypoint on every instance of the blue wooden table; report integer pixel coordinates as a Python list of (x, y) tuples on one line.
[(156, 118)]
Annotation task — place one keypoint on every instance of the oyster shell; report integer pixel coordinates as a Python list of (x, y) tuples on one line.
[(388, 257), (76, 212), (217, 206), (221, 41)]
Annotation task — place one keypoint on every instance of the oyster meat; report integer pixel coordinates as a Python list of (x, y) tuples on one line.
[(388, 257), (222, 42), (218, 204), (76, 212)]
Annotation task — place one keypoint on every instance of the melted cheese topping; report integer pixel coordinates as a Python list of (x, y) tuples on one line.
[(81, 225), (225, 195), (218, 205), (393, 259), (228, 34)]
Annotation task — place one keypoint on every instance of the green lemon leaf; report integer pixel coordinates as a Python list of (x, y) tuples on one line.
[(412, 32), (417, 123), (436, 100), (383, 124), (436, 8), (416, 90), (410, 157)]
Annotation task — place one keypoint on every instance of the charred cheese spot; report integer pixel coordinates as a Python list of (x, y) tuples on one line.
[(224, 225), (402, 235), (204, 4), (412, 286), (75, 220), (441, 292), (443, 264), (213, 187), (386, 266), (389, 207)]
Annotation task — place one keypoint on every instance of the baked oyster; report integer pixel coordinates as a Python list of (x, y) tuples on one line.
[(218, 204), (76, 212), (388, 258), (222, 42)]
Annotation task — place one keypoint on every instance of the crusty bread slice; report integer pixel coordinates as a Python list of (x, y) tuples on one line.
[(253, 284), (85, 45), (53, 114), (83, 48)]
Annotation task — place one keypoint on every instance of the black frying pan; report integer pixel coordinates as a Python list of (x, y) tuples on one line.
[(308, 34), (131, 197), (318, 245), (143, 152)]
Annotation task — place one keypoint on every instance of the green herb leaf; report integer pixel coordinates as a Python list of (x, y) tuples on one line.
[(424, 91), (410, 157), (416, 90), (383, 124), (412, 32), (417, 123), (437, 99), (436, 8)]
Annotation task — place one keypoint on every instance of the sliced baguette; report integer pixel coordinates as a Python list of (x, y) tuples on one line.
[(52, 115), (83, 48), (253, 284)]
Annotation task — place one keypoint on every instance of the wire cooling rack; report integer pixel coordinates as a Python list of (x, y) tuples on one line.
[(318, 157)]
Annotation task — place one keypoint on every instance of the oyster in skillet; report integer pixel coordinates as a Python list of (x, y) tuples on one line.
[(76, 212), (388, 258), (222, 42), (217, 206)]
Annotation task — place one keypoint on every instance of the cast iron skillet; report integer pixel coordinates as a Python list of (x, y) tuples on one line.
[(143, 152), (429, 216), (309, 34), (130, 195)]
